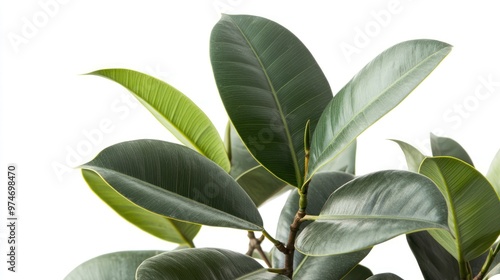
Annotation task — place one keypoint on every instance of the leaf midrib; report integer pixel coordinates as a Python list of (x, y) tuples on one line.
[(280, 110), (369, 105)]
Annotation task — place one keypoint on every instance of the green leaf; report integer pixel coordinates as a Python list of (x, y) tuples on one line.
[(372, 209), (320, 188), (200, 263), (157, 225), (271, 86), (385, 276), (375, 90), (494, 173), (118, 265), (434, 261), (329, 267), (413, 156), (175, 111), (176, 182), (263, 274), (473, 207), (257, 182), (359, 272), (345, 162), (443, 146)]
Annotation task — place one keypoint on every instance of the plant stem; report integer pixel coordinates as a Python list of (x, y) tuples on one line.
[(278, 244), (464, 269), (491, 256), (290, 246), (254, 245)]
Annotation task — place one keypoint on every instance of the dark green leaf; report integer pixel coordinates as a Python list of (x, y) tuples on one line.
[(175, 111), (200, 263), (345, 162), (176, 182), (385, 276), (372, 209), (320, 188), (271, 86), (358, 273), (157, 225), (263, 274), (119, 265), (257, 182), (443, 146), (375, 90), (473, 207), (329, 267)]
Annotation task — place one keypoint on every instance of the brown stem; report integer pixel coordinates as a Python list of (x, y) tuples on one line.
[(290, 246), (254, 245)]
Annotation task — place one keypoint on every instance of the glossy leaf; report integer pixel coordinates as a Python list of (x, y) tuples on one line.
[(443, 146), (320, 188), (385, 276), (375, 90), (263, 274), (473, 207), (174, 110), (372, 209), (494, 173), (358, 273), (119, 265), (434, 261), (176, 182), (257, 182), (329, 267), (200, 263), (157, 225), (345, 162), (271, 86)]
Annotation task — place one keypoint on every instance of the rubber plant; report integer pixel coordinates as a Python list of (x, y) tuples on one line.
[(288, 131)]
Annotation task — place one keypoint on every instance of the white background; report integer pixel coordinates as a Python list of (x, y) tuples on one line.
[(48, 107)]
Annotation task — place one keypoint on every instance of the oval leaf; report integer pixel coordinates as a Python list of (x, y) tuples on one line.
[(186, 121), (330, 267), (385, 276), (472, 203), (176, 182), (444, 146), (375, 90), (413, 156), (494, 173), (359, 272), (119, 265), (257, 182), (320, 188), (263, 274), (204, 263), (271, 86), (157, 225), (372, 209)]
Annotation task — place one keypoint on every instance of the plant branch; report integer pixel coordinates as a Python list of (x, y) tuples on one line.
[(489, 260), (254, 245), (290, 246)]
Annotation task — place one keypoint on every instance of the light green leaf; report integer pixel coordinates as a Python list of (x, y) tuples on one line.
[(175, 111), (263, 274), (494, 173), (118, 265), (200, 263), (473, 207), (157, 225), (176, 182), (385, 276), (257, 182), (443, 146), (375, 90), (413, 156), (329, 267), (271, 86), (320, 188), (345, 162), (372, 209)]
